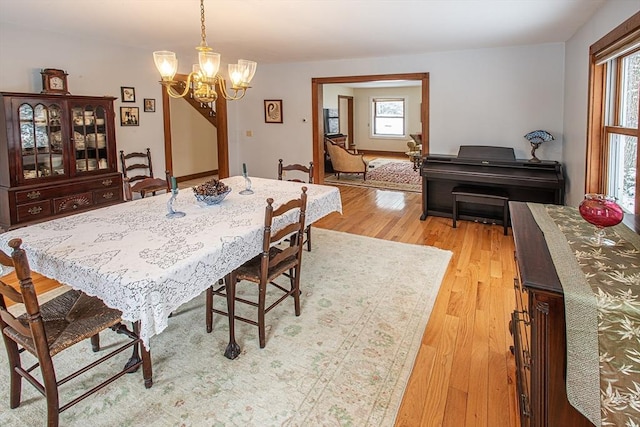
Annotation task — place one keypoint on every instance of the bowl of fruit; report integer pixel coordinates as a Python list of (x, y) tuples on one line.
[(211, 192)]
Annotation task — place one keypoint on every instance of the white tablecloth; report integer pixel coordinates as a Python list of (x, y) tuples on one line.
[(136, 260)]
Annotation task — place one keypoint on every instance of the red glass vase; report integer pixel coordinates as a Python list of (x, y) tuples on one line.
[(601, 211)]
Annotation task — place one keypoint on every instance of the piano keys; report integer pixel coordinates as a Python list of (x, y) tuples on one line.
[(482, 167)]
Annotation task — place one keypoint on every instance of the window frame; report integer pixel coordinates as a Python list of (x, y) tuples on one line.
[(373, 102), (620, 42)]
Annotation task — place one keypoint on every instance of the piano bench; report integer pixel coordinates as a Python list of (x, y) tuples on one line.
[(482, 196)]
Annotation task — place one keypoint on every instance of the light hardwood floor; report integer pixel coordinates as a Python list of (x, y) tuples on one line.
[(464, 373)]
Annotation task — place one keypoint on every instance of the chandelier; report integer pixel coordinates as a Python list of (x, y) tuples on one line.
[(204, 76)]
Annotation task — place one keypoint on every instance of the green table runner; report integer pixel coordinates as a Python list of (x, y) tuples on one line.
[(602, 308)]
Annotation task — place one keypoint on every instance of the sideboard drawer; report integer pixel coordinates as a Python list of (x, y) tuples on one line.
[(34, 211), (73, 203), (108, 195)]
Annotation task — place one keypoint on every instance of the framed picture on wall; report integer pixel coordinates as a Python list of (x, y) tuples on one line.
[(149, 105), (129, 116), (128, 94), (273, 110)]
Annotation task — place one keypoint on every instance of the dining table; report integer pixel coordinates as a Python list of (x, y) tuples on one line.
[(145, 264)]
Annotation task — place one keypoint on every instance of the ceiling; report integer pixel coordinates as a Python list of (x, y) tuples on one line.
[(282, 31)]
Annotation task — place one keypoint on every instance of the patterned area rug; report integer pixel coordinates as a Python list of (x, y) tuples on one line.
[(345, 361), (386, 173)]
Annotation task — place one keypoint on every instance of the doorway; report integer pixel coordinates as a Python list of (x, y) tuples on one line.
[(221, 131), (345, 117), (317, 84)]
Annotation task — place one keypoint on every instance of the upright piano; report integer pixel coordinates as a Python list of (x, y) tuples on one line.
[(487, 167)]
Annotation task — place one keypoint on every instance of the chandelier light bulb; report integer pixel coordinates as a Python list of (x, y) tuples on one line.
[(166, 63), (209, 63)]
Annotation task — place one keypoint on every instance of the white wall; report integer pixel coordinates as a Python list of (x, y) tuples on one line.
[(609, 16), (484, 97), (330, 94), (95, 68)]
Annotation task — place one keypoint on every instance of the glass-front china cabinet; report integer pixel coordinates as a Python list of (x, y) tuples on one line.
[(57, 156)]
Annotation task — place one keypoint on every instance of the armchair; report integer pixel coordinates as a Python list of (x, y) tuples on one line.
[(345, 162)]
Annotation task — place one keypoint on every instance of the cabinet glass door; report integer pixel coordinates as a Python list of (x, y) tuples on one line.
[(41, 140), (90, 138)]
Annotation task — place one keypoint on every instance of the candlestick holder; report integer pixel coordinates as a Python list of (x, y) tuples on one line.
[(247, 185), (172, 213)]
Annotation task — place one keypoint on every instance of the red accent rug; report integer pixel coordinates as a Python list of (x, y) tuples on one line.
[(387, 174)]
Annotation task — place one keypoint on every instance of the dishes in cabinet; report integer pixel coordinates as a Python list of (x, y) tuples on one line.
[(56, 140), (56, 161), (99, 121), (26, 136), (30, 174), (96, 139)]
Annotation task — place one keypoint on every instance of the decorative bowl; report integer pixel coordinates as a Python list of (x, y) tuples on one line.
[(212, 200)]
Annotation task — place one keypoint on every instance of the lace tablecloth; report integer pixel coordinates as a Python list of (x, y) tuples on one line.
[(136, 260), (602, 306)]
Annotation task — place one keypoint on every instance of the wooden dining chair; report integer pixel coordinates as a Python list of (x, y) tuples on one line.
[(46, 330), (295, 168), (137, 172), (274, 261)]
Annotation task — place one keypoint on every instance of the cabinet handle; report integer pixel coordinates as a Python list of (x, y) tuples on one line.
[(107, 182), (524, 405), (108, 195), (35, 210), (33, 195)]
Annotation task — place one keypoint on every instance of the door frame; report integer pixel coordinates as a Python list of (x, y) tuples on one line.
[(317, 84), (350, 131)]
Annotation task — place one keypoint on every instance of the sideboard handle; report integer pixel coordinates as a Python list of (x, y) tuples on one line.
[(35, 210), (107, 182), (108, 195), (33, 195)]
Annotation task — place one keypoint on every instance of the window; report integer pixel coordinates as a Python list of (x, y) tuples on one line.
[(614, 104), (621, 112), (388, 117), (331, 121)]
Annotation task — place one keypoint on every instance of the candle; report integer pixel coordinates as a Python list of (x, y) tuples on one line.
[(174, 183), (244, 169)]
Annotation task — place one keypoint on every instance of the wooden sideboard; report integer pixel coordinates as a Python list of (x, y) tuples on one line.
[(57, 156), (538, 328)]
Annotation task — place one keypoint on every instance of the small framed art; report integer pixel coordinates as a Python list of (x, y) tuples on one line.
[(129, 116), (273, 110), (128, 94), (149, 105)]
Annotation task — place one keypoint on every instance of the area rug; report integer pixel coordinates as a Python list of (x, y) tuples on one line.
[(344, 361), (383, 173)]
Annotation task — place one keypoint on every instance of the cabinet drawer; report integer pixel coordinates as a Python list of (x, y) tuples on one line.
[(33, 211), (108, 195), (50, 192), (75, 202)]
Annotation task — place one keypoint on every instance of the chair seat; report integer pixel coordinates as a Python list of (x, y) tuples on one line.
[(251, 269), (149, 185), (68, 319)]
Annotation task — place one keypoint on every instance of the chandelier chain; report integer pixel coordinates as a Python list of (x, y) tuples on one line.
[(203, 33)]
